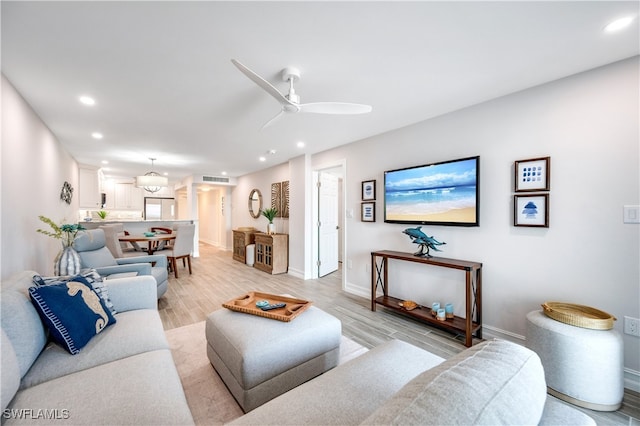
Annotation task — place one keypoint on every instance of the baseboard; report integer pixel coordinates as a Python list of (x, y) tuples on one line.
[(632, 379), (296, 273), (497, 333), (357, 290)]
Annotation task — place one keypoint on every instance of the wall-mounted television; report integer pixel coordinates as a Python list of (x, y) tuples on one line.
[(444, 193)]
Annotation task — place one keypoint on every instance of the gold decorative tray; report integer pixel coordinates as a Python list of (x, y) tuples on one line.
[(579, 315), (247, 304)]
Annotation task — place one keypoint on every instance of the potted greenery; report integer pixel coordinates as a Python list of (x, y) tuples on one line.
[(67, 262), (102, 214), (270, 214)]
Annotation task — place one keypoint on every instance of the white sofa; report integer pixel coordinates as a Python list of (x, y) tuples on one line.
[(124, 375), (492, 383)]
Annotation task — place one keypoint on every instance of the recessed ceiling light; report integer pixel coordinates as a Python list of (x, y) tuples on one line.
[(224, 173), (262, 159), (87, 100), (166, 174), (619, 24), (97, 135), (300, 144), (105, 162)]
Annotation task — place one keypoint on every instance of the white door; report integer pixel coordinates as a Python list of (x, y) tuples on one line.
[(327, 223)]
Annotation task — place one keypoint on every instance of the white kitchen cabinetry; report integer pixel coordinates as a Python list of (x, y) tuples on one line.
[(128, 197), (89, 188), (109, 189)]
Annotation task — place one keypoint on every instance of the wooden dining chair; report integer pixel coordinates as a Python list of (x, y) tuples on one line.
[(182, 247), (164, 244)]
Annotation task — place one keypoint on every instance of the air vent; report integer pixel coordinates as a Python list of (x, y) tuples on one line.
[(215, 179)]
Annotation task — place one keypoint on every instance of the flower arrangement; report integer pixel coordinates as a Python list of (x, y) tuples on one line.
[(66, 232)]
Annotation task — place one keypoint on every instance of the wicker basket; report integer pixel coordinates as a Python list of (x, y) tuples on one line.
[(579, 315)]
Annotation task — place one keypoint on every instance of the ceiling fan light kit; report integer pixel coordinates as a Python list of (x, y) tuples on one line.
[(290, 103)]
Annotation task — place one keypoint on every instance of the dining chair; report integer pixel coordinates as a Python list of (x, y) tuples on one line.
[(91, 246), (164, 244), (182, 247), (111, 233)]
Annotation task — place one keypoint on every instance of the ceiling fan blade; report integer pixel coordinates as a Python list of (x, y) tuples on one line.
[(273, 120), (335, 108), (264, 84)]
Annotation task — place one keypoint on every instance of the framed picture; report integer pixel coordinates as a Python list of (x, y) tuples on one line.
[(368, 212), (368, 190), (531, 210), (533, 174)]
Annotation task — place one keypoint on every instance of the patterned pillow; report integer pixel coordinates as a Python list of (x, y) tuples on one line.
[(72, 311), (86, 276)]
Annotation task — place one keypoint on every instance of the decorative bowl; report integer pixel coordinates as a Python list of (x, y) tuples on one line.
[(149, 234)]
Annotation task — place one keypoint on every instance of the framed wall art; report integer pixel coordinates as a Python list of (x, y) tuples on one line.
[(368, 190), (531, 210), (280, 198), (368, 212), (533, 174)]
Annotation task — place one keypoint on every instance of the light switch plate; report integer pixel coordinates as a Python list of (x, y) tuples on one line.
[(631, 214)]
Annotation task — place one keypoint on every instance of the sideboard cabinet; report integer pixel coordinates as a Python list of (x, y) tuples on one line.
[(272, 253), (241, 239)]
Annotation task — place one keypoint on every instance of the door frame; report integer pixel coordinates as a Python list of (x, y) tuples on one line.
[(342, 215)]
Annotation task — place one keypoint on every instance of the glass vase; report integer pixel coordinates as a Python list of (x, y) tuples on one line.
[(67, 262)]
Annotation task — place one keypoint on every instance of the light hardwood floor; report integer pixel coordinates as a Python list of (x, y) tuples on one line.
[(217, 278)]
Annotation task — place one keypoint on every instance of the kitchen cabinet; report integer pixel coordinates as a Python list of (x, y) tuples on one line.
[(89, 188), (128, 197)]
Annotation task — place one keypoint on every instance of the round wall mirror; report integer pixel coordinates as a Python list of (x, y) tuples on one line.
[(255, 203)]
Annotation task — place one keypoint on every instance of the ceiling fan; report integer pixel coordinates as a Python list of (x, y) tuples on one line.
[(291, 101)]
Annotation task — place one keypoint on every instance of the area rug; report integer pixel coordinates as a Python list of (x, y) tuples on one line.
[(210, 401)]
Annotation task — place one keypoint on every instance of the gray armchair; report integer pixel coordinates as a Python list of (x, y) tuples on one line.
[(91, 246)]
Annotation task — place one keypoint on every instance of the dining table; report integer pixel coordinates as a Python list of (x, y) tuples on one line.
[(152, 241)]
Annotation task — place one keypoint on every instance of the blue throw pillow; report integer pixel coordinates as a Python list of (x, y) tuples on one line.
[(86, 276), (72, 311)]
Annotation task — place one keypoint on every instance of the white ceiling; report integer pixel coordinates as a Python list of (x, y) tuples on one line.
[(165, 86)]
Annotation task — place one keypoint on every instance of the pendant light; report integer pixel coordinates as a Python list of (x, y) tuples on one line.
[(151, 181)]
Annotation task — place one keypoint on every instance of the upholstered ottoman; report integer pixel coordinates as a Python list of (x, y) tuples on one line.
[(260, 358), (582, 366)]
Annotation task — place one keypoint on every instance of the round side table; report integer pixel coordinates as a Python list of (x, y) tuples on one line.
[(582, 366)]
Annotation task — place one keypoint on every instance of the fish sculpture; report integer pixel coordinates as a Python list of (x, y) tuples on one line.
[(424, 241)]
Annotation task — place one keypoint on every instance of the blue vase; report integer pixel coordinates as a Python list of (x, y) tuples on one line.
[(67, 262)]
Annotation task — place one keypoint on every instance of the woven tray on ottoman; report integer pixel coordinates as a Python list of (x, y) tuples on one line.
[(259, 358)]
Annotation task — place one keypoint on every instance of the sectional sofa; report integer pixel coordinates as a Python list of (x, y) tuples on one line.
[(124, 375), (492, 383)]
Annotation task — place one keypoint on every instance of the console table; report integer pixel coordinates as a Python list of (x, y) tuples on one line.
[(241, 239), (272, 253), (470, 325)]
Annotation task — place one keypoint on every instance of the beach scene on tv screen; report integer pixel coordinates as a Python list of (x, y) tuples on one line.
[(436, 193)]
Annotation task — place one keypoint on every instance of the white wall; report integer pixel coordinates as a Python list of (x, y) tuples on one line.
[(240, 198), (588, 124), (34, 168)]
